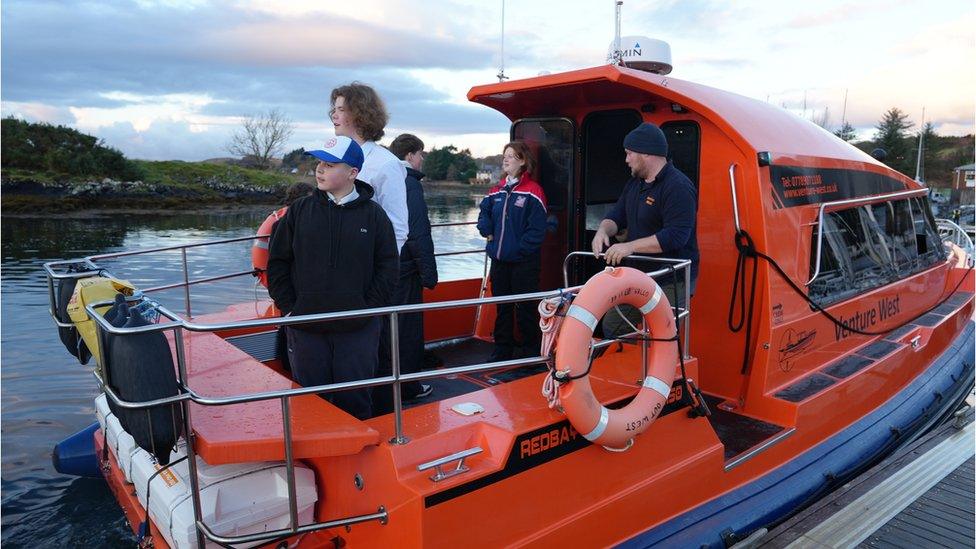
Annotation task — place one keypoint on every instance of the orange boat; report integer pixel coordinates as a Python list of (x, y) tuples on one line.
[(830, 326)]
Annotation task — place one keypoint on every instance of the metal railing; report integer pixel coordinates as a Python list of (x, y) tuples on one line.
[(949, 231), (186, 395), (89, 262)]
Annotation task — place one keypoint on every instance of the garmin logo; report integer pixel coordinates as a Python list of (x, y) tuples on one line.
[(633, 52)]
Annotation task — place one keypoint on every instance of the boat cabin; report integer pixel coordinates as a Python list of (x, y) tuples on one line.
[(757, 168)]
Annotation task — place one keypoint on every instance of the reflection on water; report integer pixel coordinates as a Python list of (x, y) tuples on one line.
[(47, 395)]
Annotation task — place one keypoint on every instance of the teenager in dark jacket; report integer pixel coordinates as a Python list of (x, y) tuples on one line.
[(334, 251), (418, 270), (513, 219)]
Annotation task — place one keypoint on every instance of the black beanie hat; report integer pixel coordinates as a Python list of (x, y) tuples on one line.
[(647, 139)]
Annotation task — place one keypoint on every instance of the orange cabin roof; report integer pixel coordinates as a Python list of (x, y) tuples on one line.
[(753, 125)]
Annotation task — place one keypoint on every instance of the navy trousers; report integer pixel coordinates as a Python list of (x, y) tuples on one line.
[(336, 357), (516, 277)]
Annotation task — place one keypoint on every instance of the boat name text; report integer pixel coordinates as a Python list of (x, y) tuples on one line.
[(886, 308), (547, 441)]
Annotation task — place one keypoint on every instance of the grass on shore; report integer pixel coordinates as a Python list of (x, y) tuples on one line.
[(176, 173)]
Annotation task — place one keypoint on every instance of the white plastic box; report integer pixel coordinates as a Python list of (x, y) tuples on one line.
[(120, 443), (235, 499)]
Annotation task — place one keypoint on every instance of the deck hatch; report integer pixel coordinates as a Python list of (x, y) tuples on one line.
[(263, 346)]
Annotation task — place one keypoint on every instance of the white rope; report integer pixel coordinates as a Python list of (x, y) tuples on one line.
[(549, 324)]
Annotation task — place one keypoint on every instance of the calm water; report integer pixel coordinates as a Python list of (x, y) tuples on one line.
[(47, 395)]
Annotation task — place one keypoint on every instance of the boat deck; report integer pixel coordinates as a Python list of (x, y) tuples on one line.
[(922, 496)]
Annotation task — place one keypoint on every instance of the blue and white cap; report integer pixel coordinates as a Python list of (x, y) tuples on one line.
[(341, 150)]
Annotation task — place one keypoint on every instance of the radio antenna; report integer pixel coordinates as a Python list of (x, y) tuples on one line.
[(920, 163), (617, 56), (501, 71)]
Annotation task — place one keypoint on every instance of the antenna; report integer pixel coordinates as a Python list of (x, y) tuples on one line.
[(616, 58), (501, 71), (921, 137), (843, 115)]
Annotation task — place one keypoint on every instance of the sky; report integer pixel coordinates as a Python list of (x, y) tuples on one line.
[(173, 79)]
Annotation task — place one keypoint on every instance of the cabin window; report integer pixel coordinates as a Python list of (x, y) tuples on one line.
[(928, 242), (605, 171), (551, 141), (684, 144), (865, 247)]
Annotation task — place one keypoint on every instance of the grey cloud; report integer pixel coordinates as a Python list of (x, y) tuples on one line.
[(65, 54), (166, 141), (61, 53)]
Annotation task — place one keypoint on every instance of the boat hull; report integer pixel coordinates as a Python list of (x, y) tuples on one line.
[(936, 391)]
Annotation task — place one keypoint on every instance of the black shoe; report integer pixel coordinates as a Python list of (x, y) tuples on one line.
[(424, 392)]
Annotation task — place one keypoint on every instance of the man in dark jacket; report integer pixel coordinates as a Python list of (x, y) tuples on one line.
[(334, 251), (418, 270)]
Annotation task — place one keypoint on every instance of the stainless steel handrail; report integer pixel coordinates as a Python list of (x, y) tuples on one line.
[(452, 224), (735, 201), (380, 515), (678, 264), (848, 202), (178, 324), (93, 269)]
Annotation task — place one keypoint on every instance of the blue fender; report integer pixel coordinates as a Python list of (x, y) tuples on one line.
[(75, 455)]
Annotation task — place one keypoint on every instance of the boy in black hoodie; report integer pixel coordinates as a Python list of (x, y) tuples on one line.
[(334, 251)]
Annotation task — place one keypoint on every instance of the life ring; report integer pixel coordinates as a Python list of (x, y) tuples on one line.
[(259, 251), (615, 286)]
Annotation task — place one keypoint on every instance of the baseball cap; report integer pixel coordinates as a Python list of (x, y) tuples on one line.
[(341, 150)]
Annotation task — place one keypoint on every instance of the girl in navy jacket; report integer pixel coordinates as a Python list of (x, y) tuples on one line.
[(513, 219)]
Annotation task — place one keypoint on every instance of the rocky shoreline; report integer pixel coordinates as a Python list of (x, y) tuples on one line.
[(29, 196), (24, 194)]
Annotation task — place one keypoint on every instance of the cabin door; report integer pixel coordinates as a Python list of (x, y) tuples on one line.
[(604, 174), (552, 142)]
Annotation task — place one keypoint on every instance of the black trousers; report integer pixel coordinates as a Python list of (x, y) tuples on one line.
[(516, 277), (411, 340), (325, 358)]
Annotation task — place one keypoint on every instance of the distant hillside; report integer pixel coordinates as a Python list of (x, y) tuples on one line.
[(942, 154), (55, 168)]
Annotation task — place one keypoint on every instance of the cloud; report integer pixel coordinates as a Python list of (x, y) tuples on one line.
[(192, 68)]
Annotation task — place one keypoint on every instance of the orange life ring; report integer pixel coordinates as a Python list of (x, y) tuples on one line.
[(259, 250), (615, 286)]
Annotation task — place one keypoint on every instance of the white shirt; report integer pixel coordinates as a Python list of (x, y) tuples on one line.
[(353, 195), (384, 172)]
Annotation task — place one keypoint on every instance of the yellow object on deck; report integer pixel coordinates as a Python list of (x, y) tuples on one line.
[(93, 290)]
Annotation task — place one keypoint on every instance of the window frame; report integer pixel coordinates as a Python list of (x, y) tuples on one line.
[(833, 228)]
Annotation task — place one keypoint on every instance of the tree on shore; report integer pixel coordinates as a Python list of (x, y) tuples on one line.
[(846, 132), (62, 150), (261, 137), (892, 136), (448, 163)]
